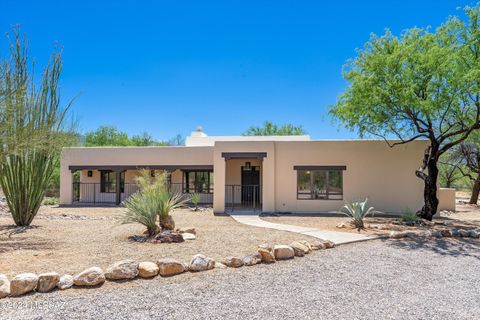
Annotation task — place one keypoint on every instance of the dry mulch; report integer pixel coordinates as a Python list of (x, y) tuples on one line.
[(70, 239)]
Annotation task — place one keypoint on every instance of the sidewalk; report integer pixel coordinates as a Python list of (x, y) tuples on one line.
[(252, 219)]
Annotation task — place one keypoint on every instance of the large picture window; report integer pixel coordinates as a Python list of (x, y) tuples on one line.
[(108, 181), (198, 181), (321, 184)]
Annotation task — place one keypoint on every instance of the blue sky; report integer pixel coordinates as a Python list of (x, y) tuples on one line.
[(166, 67)]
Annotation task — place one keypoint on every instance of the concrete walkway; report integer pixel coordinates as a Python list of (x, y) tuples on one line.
[(253, 219)]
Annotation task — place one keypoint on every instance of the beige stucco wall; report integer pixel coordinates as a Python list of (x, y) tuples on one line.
[(128, 156), (385, 175), (446, 199)]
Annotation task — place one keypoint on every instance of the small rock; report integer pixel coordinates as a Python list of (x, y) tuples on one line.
[(147, 269), (90, 277), (341, 225), (455, 233), (317, 245), (65, 282), (4, 286), (187, 230), (125, 269), (437, 234), (23, 283), (329, 244), (233, 262), (252, 259), (307, 244), (169, 267), (188, 236), (426, 234), (474, 234), (446, 233), (267, 256), (47, 281), (464, 233), (299, 249), (168, 237), (201, 263), (265, 246), (283, 252)]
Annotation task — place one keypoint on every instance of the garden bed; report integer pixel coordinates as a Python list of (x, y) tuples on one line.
[(70, 239)]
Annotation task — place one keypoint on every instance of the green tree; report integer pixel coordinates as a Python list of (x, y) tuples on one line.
[(271, 129), (32, 129), (421, 85), (106, 136)]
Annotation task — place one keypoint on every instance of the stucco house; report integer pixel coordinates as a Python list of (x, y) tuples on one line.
[(268, 173)]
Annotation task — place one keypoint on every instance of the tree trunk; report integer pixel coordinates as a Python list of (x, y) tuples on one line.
[(475, 191), (430, 185)]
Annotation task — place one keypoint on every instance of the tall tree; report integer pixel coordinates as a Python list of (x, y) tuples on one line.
[(106, 136), (32, 129), (271, 129), (421, 85)]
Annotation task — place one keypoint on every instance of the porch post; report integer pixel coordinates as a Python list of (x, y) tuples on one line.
[(118, 190)]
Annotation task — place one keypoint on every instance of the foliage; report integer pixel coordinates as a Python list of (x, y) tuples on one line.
[(50, 201), (153, 199), (32, 129), (409, 216), (421, 85), (357, 211), (271, 129), (195, 198)]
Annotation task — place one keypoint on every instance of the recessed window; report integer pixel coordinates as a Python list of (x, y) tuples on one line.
[(320, 184), (198, 181), (108, 182)]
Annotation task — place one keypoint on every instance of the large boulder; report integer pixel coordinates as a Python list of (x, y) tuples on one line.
[(329, 244), (252, 259), (125, 269), (233, 262), (4, 286), (266, 255), (201, 263), (283, 252), (47, 281), (169, 267), (23, 283), (299, 248), (147, 269), (317, 245), (307, 244), (90, 277), (65, 282), (168, 237)]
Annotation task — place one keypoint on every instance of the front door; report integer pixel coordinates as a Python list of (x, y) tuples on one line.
[(250, 186)]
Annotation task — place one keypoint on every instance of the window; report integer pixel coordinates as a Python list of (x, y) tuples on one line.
[(198, 181), (320, 184), (108, 181)]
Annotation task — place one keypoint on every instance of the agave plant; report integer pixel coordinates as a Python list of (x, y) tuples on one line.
[(195, 198), (357, 211)]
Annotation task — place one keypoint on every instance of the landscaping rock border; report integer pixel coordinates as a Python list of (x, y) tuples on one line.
[(166, 267)]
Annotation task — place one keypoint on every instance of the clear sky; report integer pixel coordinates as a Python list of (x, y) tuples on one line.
[(166, 67)]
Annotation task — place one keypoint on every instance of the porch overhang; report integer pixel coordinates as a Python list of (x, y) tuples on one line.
[(244, 155), (319, 167), (120, 168)]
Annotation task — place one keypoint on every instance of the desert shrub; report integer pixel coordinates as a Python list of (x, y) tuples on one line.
[(357, 211), (409, 216), (50, 201), (195, 199)]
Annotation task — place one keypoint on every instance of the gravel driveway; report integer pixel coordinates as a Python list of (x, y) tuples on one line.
[(438, 279)]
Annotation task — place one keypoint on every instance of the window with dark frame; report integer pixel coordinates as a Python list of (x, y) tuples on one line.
[(198, 181), (108, 181), (322, 184)]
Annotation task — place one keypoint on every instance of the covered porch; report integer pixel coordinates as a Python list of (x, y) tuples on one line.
[(114, 184)]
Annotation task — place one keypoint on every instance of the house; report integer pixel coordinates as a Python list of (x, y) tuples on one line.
[(266, 173)]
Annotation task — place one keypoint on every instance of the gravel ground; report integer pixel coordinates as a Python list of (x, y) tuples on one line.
[(393, 279)]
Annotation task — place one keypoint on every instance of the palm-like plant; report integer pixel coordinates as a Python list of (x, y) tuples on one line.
[(142, 207), (195, 199), (169, 201), (357, 211)]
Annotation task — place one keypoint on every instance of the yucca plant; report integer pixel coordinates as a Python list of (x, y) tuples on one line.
[(357, 211), (195, 199), (169, 201), (32, 130)]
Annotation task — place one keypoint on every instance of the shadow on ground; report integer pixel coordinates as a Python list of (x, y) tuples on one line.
[(454, 247)]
